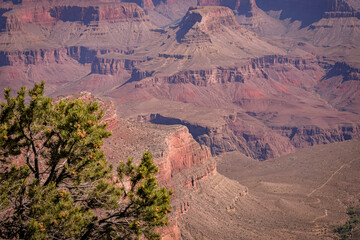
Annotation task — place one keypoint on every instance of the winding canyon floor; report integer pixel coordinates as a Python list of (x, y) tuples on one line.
[(299, 196)]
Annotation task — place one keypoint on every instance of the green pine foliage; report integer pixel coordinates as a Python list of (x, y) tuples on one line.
[(345, 231), (55, 182)]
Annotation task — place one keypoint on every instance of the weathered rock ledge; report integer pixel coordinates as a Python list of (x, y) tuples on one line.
[(221, 75)]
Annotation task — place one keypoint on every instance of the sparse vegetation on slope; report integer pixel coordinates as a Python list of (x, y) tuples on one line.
[(346, 231)]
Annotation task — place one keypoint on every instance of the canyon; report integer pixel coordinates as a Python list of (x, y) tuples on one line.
[(206, 85)]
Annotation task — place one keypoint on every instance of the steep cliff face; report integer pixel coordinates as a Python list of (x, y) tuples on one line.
[(209, 2), (113, 64), (340, 9), (103, 12), (261, 144), (345, 70), (309, 11), (241, 6), (199, 21), (185, 153), (312, 135), (105, 61), (16, 18), (182, 162), (196, 77), (46, 32), (320, 6), (82, 54), (145, 4), (35, 56), (47, 14), (183, 165), (222, 75), (341, 87)]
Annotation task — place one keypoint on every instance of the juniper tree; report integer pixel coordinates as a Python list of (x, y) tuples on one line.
[(56, 183)]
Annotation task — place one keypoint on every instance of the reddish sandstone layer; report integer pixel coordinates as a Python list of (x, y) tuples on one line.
[(113, 65), (23, 19), (185, 152), (84, 13), (208, 19), (99, 58), (220, 74), (34, 56), (145, 4), (242, 6)]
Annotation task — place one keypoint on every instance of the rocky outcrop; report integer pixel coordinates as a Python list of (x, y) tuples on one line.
[(230, 137), (82, 54), (199, 21), (337, 6), (209, 2), (35, 56), (16, 18), (260, 144), (345, 70), (269, 60), (341, 14), (219, 139), (308, 11), (145, 4), (222, 75), (204, 77), (185, 152), (76, 12), (88, 55), (339, 9), (113, 64), (183, 157), (320, 5), (242, 7), (104, 12), (340, 87), (313, 135)]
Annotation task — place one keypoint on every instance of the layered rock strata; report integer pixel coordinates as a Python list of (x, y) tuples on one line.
[(82, 12), (34, 56), (222, 75), (310, 11), (199, 21), (242, 7), (262, 144), (113, 65), (45, 18)]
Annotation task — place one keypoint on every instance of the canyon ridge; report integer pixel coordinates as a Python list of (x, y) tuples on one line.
[(250, 107)]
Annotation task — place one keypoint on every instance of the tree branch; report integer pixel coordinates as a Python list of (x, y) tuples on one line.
[(36, 160), (28, 160)]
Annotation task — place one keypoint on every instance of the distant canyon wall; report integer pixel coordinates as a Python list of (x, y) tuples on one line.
[(13, 20), (221, 74), (309, 11), (262, 145)]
